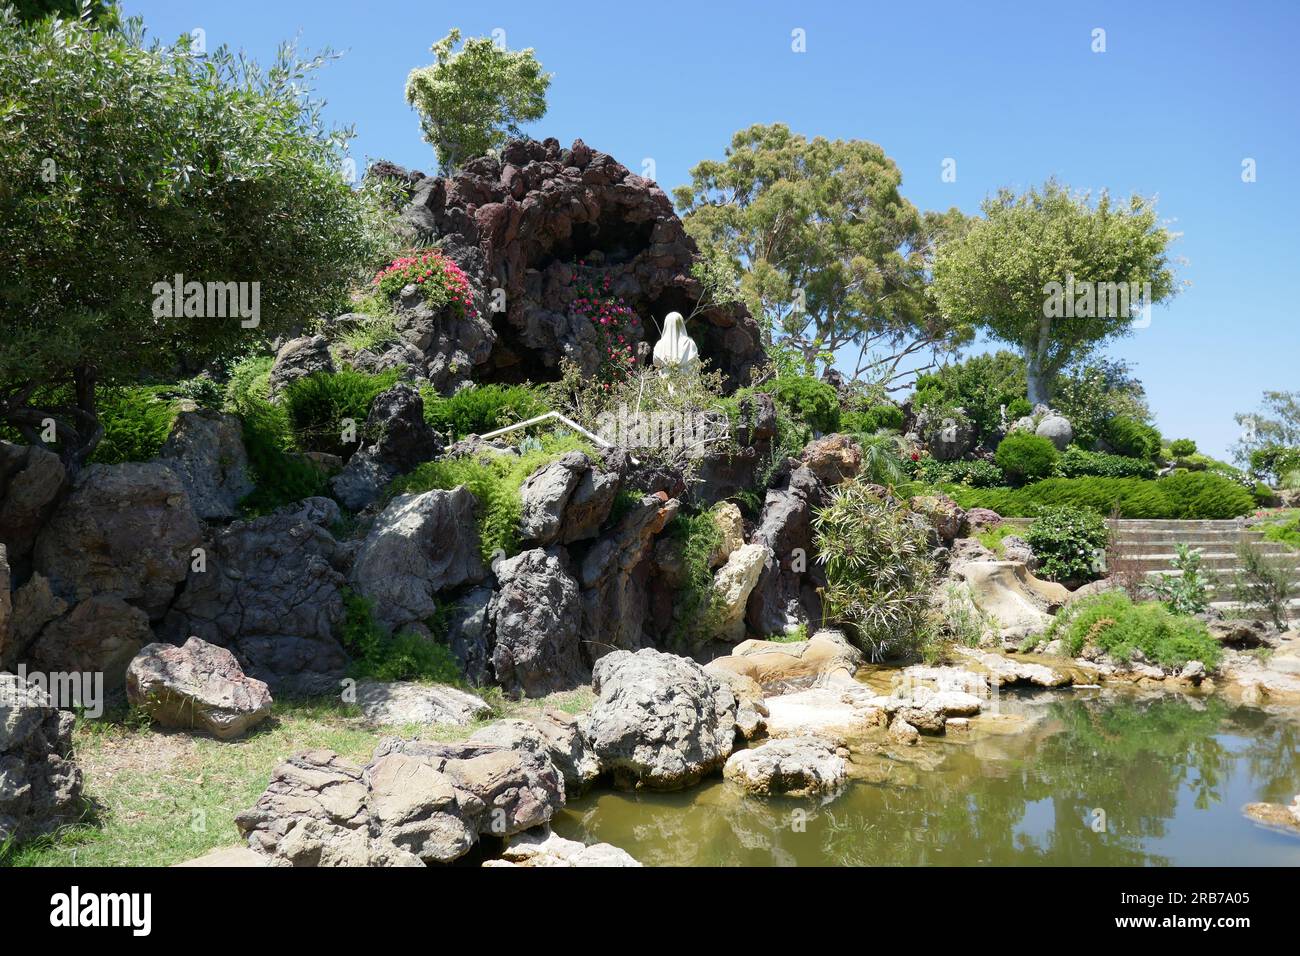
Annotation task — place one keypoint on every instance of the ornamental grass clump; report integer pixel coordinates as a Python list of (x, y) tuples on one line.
[(879, 573)]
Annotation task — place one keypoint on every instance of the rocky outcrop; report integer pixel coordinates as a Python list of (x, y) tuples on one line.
[(785, 595), (400, 703), (271, 591), (566, 500), (525, 222), (661, 722), (1018, 603), (834, 711), (553, 734), (945, 517), (795, 767), (780, 666), (298, 358), (732, 586), (469, 634), (399, 440), (126, 530), (418, 546), (947, 439), (197, 686), (541, 847), (536, 616), (40, 786), (415, 803), (99, 635), (32, 479), (833, 459), (206, 451), (613, 576)]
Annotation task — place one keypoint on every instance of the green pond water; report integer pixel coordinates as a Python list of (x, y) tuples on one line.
[(1062, 779)]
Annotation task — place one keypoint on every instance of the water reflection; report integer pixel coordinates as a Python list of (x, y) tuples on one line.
[(1108, 781)]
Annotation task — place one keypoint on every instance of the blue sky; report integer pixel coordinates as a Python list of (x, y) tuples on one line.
[(1012, 91)]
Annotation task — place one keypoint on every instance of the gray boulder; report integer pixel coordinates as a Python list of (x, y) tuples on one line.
[(793, 766), (661, 722), (31, 481), (206, 451), (99, 635), (566, 500), (552, 733), (785, 594), (126, 530), (40, 786), (419, 546), (398, 703), (197, 685), (270, 591), (469, 634), (1056, 429), (400, 439), (299, 358), (536, 616)]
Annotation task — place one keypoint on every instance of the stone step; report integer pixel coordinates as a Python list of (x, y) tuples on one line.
[(1193, 538), (1209, 562)]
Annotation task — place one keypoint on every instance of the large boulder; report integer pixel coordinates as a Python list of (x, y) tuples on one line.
[(31, 481), (206, 451), (785, 595), (566, 500), (197, 685), (833, 459), (469, 634), (1056, 429), (660, 722), (795, 766), (541, 847), (780, 666), (945, 517), (298, 358), (732, 586), (126, 530), (523, 220), (271, 591), (1005, 591), (536, 616), (34, 605), (99, 635), (552, 733), (399, 440), (401, 703), (418, 546), (40, 786)]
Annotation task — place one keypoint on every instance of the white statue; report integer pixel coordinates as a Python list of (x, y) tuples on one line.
[(675, 347)]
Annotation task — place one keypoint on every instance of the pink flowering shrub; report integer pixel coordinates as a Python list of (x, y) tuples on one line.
[(617, 326), (441, 280)]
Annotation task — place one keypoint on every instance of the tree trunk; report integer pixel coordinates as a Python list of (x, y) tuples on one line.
[(1036, 373)]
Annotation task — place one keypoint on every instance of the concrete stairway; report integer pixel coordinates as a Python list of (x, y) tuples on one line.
[(1149, 546)]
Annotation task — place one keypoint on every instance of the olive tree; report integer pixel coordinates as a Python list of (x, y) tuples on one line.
[(133, 168), (1054, 274), (473, 99)]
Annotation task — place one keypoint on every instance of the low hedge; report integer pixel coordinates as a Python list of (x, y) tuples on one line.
[(1183, 495), (1077, 463)]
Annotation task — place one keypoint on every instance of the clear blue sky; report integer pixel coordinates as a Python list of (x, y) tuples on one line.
[(1012, 91)]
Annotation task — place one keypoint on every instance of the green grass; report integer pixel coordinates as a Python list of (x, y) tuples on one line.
[(1285, 529), (166, 797), (993, 538)]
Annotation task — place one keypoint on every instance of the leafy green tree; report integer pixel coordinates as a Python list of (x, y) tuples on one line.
[(830, 254), (128, 165), (1054, 274), (472, 100), (103, 12)]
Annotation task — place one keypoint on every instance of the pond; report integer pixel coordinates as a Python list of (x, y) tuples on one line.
[(1061, 779)]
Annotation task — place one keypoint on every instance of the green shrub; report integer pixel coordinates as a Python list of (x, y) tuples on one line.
[(1287, 531), (1185, 592), (495, 482), (1026, 456), (136, 424), (1182, 447), (868, 422), (1187, 495), (378, 655), (318, 404), (976, 473), (1068, 542), (280, 476), (1077, 463), (810, 401), (1113, 622), (1274, 462), (1132, 438), (695, 538), (1264, 582), (879, 573), (1018, 408), (981, 385), (882, 458), (480, 409)]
